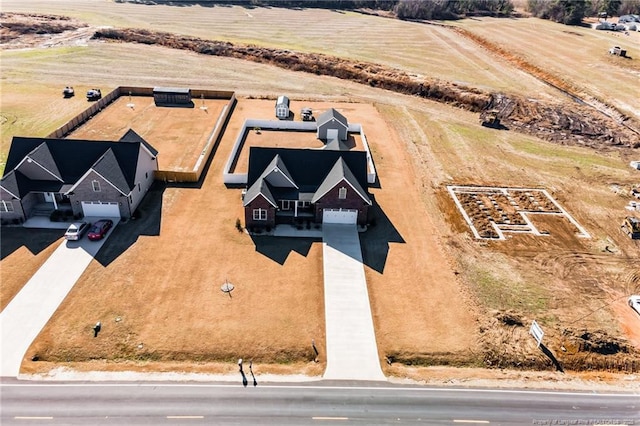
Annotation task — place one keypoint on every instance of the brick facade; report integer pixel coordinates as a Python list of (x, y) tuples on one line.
[(353, 201), (259, 203)]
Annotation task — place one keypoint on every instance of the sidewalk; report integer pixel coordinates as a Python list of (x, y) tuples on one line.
[(352, 353)]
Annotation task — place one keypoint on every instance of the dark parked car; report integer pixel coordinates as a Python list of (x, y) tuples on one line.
[(76, 230), (100, 229)]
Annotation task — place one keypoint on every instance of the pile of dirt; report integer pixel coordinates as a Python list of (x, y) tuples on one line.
[(580, 123), (15, 25), (577, 124), (506, 343)]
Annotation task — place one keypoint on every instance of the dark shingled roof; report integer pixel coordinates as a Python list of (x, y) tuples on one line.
[(337, 174), (309, 169), (42, 155), (331, 114), (132, 136), (72, 158)]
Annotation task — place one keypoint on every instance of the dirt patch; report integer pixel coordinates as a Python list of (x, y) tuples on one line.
[(259, 108), (20, 31), (179, 134)]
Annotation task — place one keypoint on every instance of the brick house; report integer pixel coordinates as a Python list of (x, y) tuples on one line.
[(85, 178), (294, 186)]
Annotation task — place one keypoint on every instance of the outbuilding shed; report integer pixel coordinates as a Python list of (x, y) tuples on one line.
[(332, 125), (172, 96), (282, 107)]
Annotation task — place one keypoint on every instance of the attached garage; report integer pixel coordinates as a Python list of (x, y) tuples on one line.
[(341, 216), (97, 208)]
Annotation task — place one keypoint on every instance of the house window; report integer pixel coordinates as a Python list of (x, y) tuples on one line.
[(342, 193), (6, 207), (130, 199), (303, 204), (259, 214), (146, 175), (286, 205), (138, 187), (96, 185)]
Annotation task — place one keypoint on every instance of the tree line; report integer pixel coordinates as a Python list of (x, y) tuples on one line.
[(572, 12)]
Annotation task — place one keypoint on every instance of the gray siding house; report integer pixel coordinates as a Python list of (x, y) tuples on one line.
[(85, 178), (332, 125)]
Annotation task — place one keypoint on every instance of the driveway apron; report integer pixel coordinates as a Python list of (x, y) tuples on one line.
[(352, 353), (30, 310)]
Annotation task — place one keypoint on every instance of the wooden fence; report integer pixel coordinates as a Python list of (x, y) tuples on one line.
[(163, 175)]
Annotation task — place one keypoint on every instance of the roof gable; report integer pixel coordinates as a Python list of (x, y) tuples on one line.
[(132, 136), (259, 188), (75, 157), (340, 173), (10, 183), (109, 168), (308, 168), (332, 115), (41, 155), (277, 174)]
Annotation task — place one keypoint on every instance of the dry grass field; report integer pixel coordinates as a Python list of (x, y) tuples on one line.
[(438, 296)]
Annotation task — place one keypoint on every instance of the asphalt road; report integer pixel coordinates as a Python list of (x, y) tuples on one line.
[(321, 403)]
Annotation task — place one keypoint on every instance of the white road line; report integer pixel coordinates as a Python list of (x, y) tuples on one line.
[(33, 418), (302, 387), (329, 418), (185, 417), (471, 421)]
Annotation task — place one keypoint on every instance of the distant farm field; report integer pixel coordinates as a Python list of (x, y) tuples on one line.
[(438, 296)]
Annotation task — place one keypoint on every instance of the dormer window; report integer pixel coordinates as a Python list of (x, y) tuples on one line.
[(95, 185), (342, 193)]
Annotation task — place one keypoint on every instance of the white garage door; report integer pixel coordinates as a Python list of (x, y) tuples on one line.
[(96, 208), (340, 216)]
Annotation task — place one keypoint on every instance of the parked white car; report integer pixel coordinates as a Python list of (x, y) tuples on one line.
[(76, 230), (634, 303)]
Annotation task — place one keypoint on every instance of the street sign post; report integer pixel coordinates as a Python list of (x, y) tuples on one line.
[(536, 332)]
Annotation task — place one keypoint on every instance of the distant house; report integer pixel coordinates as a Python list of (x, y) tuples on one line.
[(332, 125), (291, 186), (282, 107), (172, 96), (86, 178)]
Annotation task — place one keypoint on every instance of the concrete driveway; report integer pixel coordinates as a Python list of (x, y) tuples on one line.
[(352, 353), (30, 310)]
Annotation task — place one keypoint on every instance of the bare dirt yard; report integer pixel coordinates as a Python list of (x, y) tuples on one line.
[(263, 109), (438, 295), (179, 134)]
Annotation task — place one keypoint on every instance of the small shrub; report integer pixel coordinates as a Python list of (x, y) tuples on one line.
[(238, 225), (268, 228), (16, 221)]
